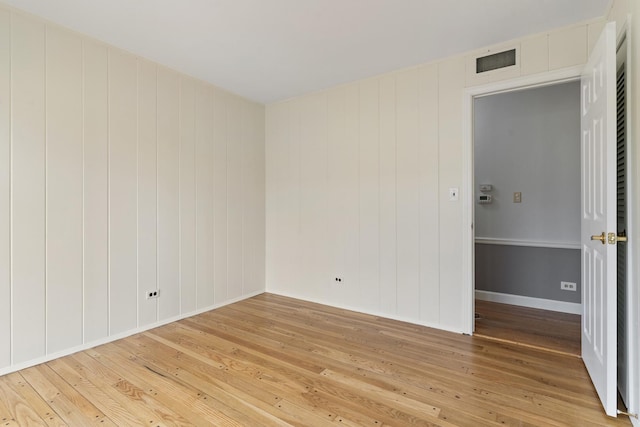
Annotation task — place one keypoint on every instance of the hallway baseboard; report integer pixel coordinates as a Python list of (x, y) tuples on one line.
[(531, 302)]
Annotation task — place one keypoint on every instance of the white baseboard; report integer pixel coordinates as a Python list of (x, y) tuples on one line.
[(49, 357), (531, 302), (370, 312)]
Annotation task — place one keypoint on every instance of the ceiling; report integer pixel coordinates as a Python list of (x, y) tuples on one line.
[(269, 50)]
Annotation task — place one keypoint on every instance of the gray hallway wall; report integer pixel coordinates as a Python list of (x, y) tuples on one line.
[(529, 142), (528, 271)]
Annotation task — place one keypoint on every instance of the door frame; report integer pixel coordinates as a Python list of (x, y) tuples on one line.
[(626, 32), (467, 194), (624, 35)]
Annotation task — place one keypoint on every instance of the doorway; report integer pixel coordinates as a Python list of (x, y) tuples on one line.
[(469, 204), (527, 216)]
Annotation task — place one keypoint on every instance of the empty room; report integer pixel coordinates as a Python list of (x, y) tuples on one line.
[(319, 212)]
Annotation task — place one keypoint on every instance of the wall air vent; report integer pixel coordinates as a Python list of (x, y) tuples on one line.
[(496, 61)]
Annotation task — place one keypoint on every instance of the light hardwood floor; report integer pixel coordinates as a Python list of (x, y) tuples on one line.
[(529, 327), (271, 361)]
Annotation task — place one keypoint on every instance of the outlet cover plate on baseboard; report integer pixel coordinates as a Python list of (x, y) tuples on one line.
[(568, 286)]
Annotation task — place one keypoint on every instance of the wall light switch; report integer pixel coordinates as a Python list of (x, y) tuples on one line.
[(517, 197), (453, 194)]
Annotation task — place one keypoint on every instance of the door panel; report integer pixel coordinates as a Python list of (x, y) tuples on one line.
[(599, 218)]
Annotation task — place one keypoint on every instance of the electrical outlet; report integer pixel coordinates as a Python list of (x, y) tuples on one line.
[(568, 286), (517, 197), (153, 294), (339, 279), (453, 194)]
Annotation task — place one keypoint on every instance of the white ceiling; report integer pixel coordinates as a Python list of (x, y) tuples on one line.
[(269, 50)]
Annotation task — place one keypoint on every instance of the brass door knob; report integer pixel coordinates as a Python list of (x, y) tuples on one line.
[(602, 237), (614, 238)]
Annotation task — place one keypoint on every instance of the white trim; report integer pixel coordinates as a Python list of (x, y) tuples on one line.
[(531, 302), (115, 337), (526, 82), (633, 219), (527, 243), (536, 80), (468, 205)]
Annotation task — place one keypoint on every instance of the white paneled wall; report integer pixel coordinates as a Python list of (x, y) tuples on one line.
[(147, 194), (204, 198), (117, 176), (28, 202), (358, 182), (234, 199), (368, 188), (122, 210), (63, 190), (388, 185), (220, 215), (95, 196), (187, 197)]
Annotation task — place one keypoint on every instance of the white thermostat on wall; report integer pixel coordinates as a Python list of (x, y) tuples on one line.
[(486, 187), (485, 199)]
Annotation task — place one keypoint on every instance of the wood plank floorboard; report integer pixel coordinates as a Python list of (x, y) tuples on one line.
[(529, 327), (277, 361)]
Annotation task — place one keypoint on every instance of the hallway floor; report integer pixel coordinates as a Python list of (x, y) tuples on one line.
[(528, 327)]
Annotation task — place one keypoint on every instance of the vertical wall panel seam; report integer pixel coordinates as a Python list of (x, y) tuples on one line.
[(326, 95), (213, 194), (194, 228), (180, 145), (298, 142), (226, 196), (438, 187), (108, 191), (193, 178), (420, 143), (82, 267), (11, 309), (155, 70), (195, 197), (214, 191), (242, 206), (326, 187), (438, 232), (46, 155), (378, 83), (359, 153), (395, 183), (138, 192)]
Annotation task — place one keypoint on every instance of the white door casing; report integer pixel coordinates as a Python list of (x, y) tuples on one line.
[(598, 145)]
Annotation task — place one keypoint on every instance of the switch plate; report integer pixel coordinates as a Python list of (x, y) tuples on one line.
[(517, 197), (568, 286), (453, 194)]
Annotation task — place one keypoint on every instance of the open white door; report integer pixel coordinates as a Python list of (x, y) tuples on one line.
[(599, 218)]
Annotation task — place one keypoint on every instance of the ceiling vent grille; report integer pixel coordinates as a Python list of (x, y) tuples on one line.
[(496, 61)]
